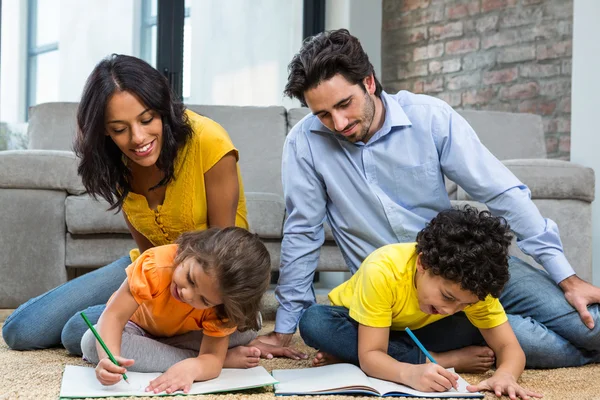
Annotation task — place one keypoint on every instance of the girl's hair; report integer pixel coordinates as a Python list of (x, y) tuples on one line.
[(101, 165), (241, 265)]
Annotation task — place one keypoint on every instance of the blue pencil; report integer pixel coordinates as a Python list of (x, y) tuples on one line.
[(414, 338)]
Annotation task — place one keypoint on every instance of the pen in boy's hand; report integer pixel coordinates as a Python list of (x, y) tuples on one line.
[(97, 335), (418, 343)]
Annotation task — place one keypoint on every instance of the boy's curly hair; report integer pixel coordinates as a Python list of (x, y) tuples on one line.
[(467, 247)]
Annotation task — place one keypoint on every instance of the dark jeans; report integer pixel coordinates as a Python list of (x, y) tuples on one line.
[(330, 329)]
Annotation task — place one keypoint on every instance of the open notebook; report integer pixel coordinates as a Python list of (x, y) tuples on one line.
[(349, 379), (81, 382)]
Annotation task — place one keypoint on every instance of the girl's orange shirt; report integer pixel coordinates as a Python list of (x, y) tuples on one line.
[(159, 313)]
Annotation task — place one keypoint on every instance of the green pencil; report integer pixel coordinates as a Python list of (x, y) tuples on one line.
[(89, 324)]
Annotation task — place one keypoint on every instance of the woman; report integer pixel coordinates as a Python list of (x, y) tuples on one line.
[(168, 169)]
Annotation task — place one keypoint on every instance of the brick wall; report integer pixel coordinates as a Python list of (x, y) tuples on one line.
[(502, 55)]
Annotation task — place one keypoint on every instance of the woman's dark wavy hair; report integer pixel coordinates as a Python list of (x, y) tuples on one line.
[(242, 267), (467, 247), (325, 55), (101, 167)]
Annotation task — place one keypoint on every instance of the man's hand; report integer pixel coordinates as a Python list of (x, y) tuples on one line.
[(580, 294)]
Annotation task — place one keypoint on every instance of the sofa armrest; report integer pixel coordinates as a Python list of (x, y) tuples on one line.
[(40, 169), (551, 179)]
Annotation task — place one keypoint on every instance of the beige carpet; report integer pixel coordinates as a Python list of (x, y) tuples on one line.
[(37, 375)]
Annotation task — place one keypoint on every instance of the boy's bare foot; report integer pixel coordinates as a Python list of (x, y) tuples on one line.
[(471, 359), (242, 357), (323, 358)]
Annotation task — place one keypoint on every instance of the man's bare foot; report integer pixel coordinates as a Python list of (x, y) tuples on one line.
[(242, 357), (471, 359), (323, 358)]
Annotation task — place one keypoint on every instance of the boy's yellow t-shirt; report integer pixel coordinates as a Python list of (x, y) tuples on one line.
[(382, 294), (185, 207), (159, 314)]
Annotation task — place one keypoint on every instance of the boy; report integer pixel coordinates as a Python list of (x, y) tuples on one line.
[(459, 263)]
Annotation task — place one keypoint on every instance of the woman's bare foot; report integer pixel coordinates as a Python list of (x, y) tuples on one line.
[(242, 357), (323, 358), (471, 359)]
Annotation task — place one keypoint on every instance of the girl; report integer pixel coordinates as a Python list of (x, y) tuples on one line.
[(209, 281), (168, 169)]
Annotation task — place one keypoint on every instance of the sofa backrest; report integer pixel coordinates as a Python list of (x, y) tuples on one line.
[(258, 133), (52, 126), (506, 135)]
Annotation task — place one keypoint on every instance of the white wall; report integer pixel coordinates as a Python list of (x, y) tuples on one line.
[(89, 31), (363, 19), (240, 57), (585, 137), (14, 53)]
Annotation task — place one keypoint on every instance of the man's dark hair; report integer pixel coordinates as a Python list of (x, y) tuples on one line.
[(101, 166), (467, 247), (325, 55)]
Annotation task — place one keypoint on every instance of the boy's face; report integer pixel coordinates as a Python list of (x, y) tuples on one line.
[(192, 285), (344, 108), (437, 295)]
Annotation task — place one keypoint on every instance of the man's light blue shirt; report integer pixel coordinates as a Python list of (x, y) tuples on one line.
[(386, 190)]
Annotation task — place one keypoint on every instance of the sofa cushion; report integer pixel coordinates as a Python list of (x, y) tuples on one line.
[(93, 251), (294, 115), (258, 133), (85, 216), (551, 179), (52, 126), (265, 214)]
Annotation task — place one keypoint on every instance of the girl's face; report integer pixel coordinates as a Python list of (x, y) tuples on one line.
[(136, 130), (192, 285)]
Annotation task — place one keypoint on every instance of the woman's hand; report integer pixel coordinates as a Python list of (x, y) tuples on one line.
[(503, 383), (179, 377), (108, 373)]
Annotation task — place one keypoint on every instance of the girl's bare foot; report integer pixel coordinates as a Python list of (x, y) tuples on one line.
[(471, 359), (242, 357), (323, 358)]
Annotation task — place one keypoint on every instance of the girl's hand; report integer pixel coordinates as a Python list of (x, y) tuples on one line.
[(179, 377), (504, 383), (108, 373), (430, 378)]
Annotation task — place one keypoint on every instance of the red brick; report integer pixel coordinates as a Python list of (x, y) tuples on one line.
[(462, 46), (565, 104), (528, 106), (409, 5), (418, 17), (463, 81), (551, 144), (489, 5), (479, 60), (477, 96), (487, 23), (556, 87), (409, 36), (433, 85), (554, 50), (531, 2), (537, 106), (563, 124), (521, 16), (445, 66), (504, 38), (453, 29), (459, 11), (418, 86), (519, 91), (427, 52), (565, 68), (516, 54), (412, 70), (564, 143), (546, 107), (539, 70), (500, 76), (506, 107), (452, 98)]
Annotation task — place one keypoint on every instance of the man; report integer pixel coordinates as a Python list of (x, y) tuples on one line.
[(373, 166)]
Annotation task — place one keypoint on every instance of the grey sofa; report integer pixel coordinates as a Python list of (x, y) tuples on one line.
[(51, 230)]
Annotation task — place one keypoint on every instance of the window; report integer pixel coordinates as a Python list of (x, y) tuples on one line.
[(42, 52)]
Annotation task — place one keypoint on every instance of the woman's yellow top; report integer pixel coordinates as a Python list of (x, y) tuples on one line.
[(185, 208)]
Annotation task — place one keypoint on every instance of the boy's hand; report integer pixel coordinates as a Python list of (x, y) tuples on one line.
[(504, 383), (269, 351), (108, 373), (179, 377), (430, 378)]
